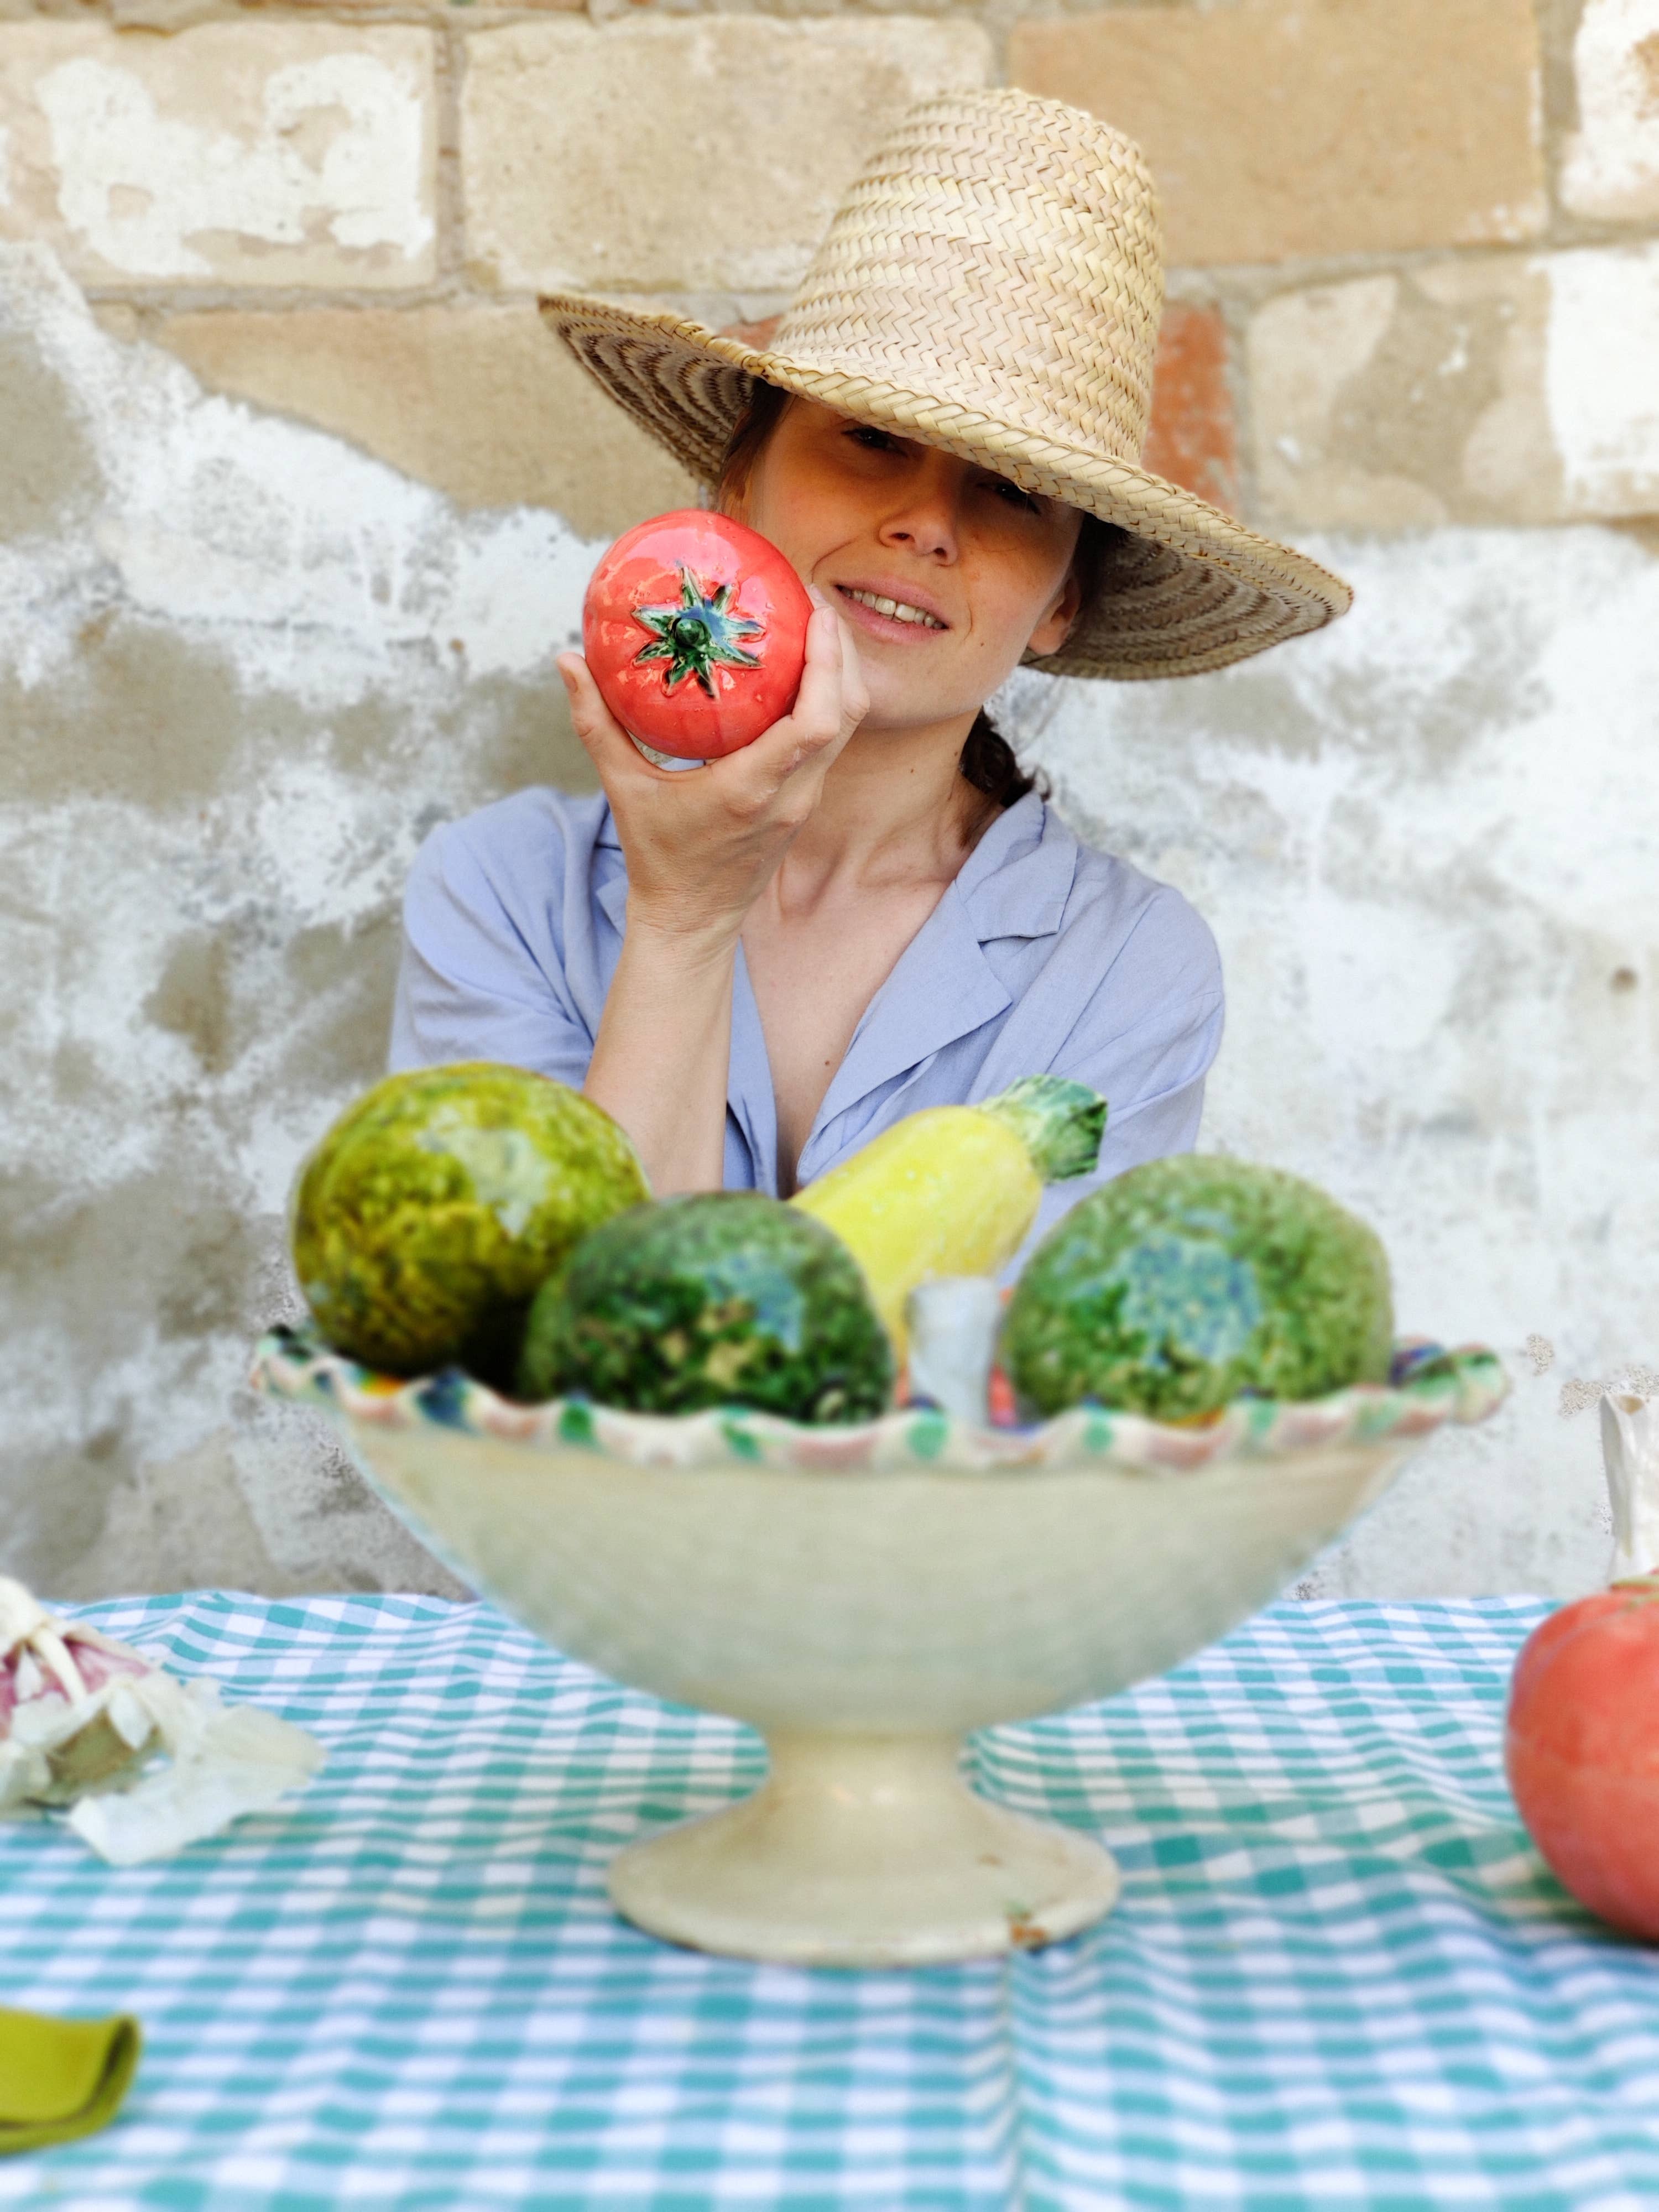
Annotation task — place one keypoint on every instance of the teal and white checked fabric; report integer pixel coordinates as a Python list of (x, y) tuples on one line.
[(1338, 1976)]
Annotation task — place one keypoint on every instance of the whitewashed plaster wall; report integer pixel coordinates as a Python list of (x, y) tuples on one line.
[(1428, 842), (243, 667)]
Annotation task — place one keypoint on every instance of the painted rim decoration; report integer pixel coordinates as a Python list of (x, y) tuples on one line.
[(1428, 1386)]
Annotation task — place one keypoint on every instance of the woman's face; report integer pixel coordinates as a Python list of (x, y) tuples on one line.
[(946, 572)]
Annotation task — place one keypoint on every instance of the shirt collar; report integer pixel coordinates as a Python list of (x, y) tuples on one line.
[(1016, 881), (1014, 884)]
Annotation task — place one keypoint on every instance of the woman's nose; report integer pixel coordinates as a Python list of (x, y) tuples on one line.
[(925, 521)]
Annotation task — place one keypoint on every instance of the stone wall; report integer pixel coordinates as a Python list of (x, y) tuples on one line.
[(296, 503)]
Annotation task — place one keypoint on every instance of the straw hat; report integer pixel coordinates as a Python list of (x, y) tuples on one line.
[(991, 285)]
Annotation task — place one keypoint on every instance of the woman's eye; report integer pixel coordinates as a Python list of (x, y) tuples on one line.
[(872, 440), (1011, 496)]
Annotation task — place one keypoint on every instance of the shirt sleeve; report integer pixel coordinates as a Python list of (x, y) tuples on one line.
[(1157, 1072), (470, 987)]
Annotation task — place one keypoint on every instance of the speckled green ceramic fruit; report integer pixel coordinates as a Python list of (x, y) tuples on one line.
[(725, 1298), (1190, 1281), (438, 1205)]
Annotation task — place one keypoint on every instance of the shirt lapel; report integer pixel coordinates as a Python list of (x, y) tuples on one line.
[(1014, 884), (941, 988), (749, 1085)]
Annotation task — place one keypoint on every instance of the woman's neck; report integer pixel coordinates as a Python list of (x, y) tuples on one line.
[(881, 848), (895, 810)]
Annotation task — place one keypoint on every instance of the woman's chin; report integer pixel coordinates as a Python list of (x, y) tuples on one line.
[(892, 721)]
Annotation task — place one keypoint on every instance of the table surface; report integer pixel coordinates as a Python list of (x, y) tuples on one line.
[(1337, 1975)]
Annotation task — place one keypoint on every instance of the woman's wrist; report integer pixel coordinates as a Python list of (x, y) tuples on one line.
[(664, 1047), (666, 936)]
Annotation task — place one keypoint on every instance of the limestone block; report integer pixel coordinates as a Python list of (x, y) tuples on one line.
[(1278, 128), (247, 152), (1610, 168), (679, 154), (1192, 437), (1480, 389), (482, 402)]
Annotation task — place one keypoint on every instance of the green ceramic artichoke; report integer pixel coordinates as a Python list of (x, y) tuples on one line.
[(1191, 1280), (437, 1205), (722, 1298)]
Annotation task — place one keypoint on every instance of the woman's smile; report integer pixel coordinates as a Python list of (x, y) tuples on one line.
[(891, 610)]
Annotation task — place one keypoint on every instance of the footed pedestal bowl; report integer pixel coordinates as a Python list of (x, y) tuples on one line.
[(865, 1595)]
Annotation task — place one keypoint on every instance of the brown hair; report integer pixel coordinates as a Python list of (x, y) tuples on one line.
[(988, 762)]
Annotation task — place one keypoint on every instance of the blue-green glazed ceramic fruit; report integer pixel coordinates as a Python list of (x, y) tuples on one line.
[(438, 1205), (720, 1299), (1189, 1281)]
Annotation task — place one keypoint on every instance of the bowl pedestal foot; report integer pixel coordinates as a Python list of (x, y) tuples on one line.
[(864, 1851)]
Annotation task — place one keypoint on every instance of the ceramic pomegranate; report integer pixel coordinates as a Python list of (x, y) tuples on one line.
[(1583, 1750)]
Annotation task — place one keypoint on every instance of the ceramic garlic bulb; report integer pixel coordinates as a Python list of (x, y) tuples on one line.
[(1630, 1447), (953, 1325)]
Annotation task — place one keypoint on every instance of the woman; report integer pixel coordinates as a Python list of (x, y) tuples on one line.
[(757, 965)]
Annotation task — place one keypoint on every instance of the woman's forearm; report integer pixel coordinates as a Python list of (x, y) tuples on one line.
[(662, 1059), (700, 847)]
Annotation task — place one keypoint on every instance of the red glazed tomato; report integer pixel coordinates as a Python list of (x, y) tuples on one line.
[(694, 627), (1583, 1750)]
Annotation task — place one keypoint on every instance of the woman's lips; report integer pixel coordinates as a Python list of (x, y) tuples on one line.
[(915, 622)]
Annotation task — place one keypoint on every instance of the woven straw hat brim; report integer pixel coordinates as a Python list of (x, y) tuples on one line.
[(1189, 590)]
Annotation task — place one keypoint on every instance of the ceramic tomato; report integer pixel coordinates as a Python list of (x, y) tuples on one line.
[(694, 627), (1583, 1750)]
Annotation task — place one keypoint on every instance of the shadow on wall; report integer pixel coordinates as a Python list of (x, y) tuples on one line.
[(243, 668)]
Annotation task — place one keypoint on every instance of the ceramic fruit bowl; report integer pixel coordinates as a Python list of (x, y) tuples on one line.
[(865, 1595)]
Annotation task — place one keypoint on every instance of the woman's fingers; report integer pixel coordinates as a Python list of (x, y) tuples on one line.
[(828, 707), (592, 720), (854, 699), (830, 703), (608, 746), (768, 787)]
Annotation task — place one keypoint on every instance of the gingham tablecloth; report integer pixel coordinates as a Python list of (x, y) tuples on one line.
[(1338, 1976)]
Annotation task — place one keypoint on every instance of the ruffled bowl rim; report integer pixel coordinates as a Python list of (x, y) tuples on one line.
[(1429, 1385)]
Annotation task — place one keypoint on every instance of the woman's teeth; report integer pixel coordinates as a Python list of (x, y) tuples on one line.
[(898, 608)]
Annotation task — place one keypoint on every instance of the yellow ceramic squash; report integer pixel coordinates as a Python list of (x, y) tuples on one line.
[(953, 1189)]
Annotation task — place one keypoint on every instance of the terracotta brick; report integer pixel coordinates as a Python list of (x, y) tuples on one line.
[(249, 153), (482, 402), (1480, 390), (1192, 437), (1610, 168), (1289, 127), (666, 154), (758, 335)]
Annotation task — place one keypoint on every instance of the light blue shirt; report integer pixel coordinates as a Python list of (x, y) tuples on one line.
[(1043, 957)]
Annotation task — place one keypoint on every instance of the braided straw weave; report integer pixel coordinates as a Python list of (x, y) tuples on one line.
[(991, 285)]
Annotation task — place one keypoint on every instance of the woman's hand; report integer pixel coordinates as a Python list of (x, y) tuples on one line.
[(700, 847), (702, 844)]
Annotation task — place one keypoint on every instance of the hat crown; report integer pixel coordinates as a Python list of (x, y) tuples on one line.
[(1001, 254), (991, 286)]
